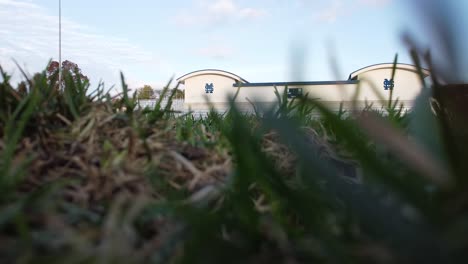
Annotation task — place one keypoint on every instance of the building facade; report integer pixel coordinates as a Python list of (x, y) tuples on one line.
[(370, 85)]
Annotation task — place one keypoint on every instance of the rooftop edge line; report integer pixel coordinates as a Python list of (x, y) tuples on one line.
[(294, 83), (236, 77)]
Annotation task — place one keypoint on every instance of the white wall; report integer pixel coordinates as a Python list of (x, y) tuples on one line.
[(407, 84), (371, 90), (195, 88)]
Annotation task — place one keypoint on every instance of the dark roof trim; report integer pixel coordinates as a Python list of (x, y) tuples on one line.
[(294, 83), (181, 77), (378, 64)]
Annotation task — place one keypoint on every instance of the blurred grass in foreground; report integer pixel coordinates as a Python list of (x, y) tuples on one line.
[(87, 178), (92, 179)]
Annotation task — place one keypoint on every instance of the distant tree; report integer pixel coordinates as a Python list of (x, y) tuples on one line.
[(179, 94), (68, 69), (145, 93)]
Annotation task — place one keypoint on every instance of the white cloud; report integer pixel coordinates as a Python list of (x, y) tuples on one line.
[(215, 12), (223, 7), (217, 51), (376, 3), (340, 8), (30, 34), (21, 4), (252, 13), (331, 13)]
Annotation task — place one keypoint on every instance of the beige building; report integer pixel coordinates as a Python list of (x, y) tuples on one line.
[(369, 85)]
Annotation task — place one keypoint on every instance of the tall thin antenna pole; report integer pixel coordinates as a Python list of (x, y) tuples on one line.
[(60, 43)]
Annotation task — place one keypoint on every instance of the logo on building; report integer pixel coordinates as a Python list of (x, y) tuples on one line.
[(294, 92), (388, 84), (209, 88)]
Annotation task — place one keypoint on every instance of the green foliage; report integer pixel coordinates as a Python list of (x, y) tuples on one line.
[(255, 210), (145, 93), (179, 94), (70, 69)]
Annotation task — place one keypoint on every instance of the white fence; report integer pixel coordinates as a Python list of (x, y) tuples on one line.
[(201, 110), (197, 110), (177, 104)]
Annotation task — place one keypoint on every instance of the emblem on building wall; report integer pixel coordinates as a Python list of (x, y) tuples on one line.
[(209, 88), (294, 92), (388, 84)]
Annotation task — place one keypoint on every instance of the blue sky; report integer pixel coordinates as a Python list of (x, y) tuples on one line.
[(260, 40)]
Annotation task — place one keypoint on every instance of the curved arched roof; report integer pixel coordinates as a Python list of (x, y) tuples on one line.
[(211, 71), (399, 66)]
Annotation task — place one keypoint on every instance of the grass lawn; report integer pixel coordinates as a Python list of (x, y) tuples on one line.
[(86, 178)]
